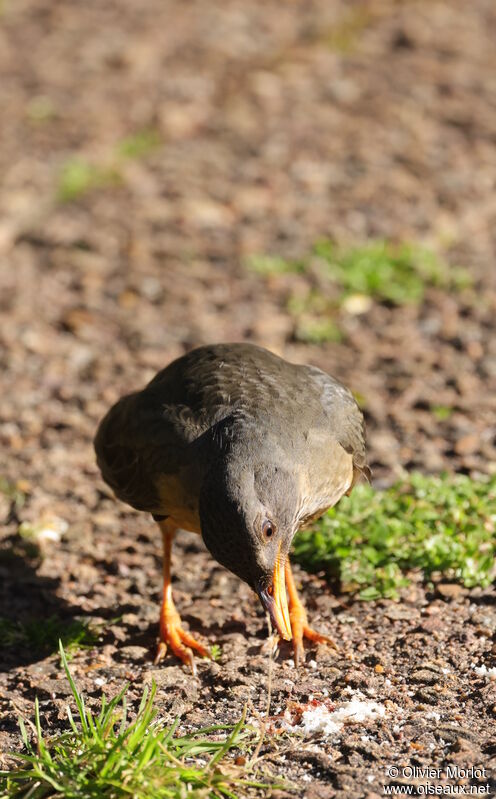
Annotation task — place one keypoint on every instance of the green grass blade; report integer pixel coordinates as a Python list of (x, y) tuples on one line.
[(77, 696), (230, 741)]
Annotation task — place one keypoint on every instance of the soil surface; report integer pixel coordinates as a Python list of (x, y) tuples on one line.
[(276, 124)]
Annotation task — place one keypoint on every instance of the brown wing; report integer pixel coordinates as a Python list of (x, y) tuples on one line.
[(149, 445), (138, 441)]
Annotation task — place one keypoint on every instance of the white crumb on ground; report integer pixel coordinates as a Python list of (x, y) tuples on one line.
[(329, 722)]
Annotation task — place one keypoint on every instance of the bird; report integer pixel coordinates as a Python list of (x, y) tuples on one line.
[(235, 443)]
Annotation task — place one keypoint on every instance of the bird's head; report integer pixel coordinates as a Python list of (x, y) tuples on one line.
[(248, 516)]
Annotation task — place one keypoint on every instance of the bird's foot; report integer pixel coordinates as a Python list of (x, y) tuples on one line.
[(180, 641), (301, 630), (299, 622)]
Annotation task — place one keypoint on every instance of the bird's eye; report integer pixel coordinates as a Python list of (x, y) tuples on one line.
[(268, 528)]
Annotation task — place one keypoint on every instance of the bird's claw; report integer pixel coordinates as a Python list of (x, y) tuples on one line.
[(180, 642), (312, 635), (161, 653), (301, 630)]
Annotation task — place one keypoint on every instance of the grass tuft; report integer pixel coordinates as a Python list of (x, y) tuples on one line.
[(317, 330), (332, 281), (139, 145), (436, 524), (381, 270), (386, 272), (216, 652), (78, 177), (110, 755), (314, 318)]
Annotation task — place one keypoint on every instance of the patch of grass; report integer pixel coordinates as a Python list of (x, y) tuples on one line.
[(216, 652), (109, 756), (336, 281), (139, 145), (42, 635), (317, 330), (436, 524), (386, 272), (379, 270), (78, 177), (314, 318)]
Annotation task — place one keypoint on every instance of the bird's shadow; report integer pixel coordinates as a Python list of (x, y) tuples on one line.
[(33, 614), (28, 601)]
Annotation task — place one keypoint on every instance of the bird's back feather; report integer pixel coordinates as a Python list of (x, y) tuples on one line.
[(154, 446)]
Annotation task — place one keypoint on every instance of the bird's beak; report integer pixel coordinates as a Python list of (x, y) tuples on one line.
[(274, 599)]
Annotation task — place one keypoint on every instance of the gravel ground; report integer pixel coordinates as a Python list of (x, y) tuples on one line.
[(275, 125)]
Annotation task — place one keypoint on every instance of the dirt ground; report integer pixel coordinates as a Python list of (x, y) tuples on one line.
[(277, 124)]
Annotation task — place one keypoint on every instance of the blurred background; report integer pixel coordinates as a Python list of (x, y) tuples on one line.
[(317, 177)]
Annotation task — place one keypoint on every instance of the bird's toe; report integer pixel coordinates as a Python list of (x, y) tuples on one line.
[(299, 635), (180, 642), (192, 643), (161, 653), (318, 638)]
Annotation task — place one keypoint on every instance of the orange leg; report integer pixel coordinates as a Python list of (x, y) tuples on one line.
[(171, 631), (299, 621)]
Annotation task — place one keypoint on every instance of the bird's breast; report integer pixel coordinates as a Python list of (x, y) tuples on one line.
[(326, 477)]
